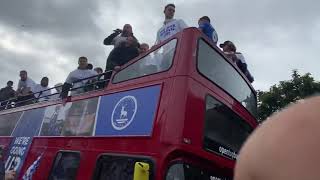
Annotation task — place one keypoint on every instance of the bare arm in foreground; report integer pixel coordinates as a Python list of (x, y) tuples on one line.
[(286, 146)]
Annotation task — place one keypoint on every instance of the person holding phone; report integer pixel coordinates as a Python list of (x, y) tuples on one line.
[(119, 36)]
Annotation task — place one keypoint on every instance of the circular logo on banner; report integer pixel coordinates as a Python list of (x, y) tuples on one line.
[(123, 113)]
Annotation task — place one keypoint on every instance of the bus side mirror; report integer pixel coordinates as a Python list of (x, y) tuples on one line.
[(141, 171)]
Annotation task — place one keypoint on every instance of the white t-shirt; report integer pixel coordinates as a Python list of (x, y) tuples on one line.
[(117, 41), (29, 83), (170, 28), (39, 88), (241, 57), (80, 74)]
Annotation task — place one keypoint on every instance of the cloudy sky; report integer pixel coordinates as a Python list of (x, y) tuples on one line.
[(45, 37)]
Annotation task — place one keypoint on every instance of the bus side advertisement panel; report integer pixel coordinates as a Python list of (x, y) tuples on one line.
[(129, 113), (27, 127), (74, 119), (8, 122)]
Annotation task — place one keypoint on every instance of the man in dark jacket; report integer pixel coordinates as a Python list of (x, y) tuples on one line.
[(122, 50), (7, 92), (123, 54)]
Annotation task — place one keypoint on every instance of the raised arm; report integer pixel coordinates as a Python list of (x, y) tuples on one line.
[(109, 39)]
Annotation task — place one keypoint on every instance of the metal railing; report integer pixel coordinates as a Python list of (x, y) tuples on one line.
[(91, 83)]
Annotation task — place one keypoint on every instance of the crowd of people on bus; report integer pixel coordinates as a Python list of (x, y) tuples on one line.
[(125, 48), (28, 89)]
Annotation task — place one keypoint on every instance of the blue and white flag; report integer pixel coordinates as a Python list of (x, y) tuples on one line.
[(28, 174)]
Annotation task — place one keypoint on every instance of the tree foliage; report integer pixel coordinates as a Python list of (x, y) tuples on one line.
[(286, 92)]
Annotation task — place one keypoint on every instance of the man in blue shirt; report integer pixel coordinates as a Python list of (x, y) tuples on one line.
[(207, 28)]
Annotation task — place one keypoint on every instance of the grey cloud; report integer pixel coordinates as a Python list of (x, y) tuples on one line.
[(67, 28), (275, 36), (36, 66), (271, 34), (56, 17)]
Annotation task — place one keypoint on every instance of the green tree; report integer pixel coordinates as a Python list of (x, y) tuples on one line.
[(286, 92)]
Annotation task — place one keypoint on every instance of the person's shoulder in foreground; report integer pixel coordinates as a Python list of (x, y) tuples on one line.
[(286, 146)]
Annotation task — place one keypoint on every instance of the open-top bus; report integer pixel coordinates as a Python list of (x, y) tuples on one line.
[(179, 112)]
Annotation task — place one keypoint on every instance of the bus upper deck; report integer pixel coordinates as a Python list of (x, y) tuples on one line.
[(183, 109)]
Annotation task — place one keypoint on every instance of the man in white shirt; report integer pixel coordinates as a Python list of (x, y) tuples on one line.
[(170, 26), (41, 90), (25, 85), (25, 90), (80, 73)]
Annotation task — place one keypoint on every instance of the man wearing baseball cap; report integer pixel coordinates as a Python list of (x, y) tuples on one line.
[(230, 51), (228, 46)]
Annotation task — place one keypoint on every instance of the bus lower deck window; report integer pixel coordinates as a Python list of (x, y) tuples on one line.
[(65, 166)]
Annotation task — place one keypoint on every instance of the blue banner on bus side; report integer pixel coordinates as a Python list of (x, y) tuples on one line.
[(18, 151), (27, 127), (129, 113)]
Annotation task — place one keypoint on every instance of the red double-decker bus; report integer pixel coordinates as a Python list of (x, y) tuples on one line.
[(179, 112)]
